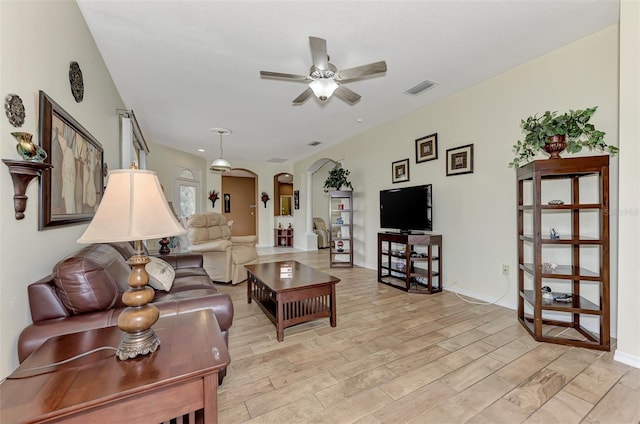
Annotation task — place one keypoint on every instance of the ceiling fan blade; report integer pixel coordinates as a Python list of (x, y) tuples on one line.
[(347, 95), (361, 71), (319, 53), (280, 75), (302, 97)]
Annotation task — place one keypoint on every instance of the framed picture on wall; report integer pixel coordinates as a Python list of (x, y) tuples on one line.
[(72, 190), (400, 171), (427, 148), (227, 203), (460, 160), (296, 199)]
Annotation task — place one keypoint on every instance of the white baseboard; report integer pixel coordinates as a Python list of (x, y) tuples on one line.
[(627, 359)]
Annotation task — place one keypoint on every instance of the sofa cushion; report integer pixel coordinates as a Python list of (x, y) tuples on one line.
[(91, 279), (161, 274)]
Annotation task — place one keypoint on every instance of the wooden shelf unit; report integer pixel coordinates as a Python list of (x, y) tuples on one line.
[(283, 237), (584, 272), (410, 262), (22, 172), (341, 228)]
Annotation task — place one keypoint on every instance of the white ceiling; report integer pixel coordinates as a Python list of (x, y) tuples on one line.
[(185, 67)]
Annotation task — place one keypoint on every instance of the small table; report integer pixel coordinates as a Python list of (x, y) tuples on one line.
[(180, 378), (309, 294)]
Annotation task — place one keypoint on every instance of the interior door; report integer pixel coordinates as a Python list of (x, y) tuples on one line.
[(240, 204)]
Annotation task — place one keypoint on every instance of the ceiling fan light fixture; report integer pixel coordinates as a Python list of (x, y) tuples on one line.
[(323, 88), (220, 164)]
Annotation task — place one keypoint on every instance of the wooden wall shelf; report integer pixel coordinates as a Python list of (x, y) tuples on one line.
[(22, 172)]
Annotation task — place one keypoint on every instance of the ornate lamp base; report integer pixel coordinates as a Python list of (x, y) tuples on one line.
[(134, 344)]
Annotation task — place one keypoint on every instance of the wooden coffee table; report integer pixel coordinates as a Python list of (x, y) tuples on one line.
[(180, 378), (309, 294)]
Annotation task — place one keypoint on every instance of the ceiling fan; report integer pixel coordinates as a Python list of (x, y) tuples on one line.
[(324, 78)]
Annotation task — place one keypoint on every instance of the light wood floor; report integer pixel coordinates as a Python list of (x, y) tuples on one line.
[(396, 357)]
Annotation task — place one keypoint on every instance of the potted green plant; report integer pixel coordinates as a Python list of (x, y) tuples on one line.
[(337, 179), (553, 133)]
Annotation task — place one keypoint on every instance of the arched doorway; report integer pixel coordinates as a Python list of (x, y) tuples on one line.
[(239, 201)]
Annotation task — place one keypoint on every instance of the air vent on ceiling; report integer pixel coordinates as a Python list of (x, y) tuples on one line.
[(315, 143), (423, 86), (276, 160)]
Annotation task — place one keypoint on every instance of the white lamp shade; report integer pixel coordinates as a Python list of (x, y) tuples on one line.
[(133, 208), (323, 88)]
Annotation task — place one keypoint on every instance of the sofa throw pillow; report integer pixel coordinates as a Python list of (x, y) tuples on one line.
[(161, 274)]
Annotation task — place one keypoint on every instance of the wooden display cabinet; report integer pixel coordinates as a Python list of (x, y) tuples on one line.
[(410, 262), (563, 217), (283, 237)]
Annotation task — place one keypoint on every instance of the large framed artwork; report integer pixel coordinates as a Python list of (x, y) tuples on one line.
[(400, 171), (71, 192), (460, 160), (427, 148)]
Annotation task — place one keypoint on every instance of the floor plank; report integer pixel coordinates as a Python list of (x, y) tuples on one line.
[(396, 357)]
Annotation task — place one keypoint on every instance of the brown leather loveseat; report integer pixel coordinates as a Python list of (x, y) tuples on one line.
[(84, 292)]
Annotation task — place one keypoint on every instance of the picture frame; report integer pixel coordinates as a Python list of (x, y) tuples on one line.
[(460, 160), (427, 148), (296, 199), (400, 171), (71, 192), (227, 203)]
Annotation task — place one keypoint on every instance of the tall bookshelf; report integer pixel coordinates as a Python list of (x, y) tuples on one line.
[(563, 243), (341, 228)]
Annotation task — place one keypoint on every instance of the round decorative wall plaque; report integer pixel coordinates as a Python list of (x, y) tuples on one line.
[(75, 79), (14, 109)]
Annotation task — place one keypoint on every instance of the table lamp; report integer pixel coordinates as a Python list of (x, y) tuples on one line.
[(134, 208)]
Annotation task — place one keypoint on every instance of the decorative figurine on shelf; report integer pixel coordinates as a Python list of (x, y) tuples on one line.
[(339, 221), (553, 234), (265, 198), (289, 225), (340, 246), (27, 149), (549, 267), (280, 225), (213, 196)]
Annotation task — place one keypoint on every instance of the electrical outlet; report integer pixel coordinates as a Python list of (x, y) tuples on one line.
[(505, 269)]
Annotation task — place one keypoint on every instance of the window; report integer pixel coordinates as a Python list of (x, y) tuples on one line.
[(187, 191)]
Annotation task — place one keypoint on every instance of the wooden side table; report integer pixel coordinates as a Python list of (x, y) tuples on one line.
[(180, 378)]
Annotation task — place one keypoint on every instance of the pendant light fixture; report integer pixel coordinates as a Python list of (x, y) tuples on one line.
[(220, 164)]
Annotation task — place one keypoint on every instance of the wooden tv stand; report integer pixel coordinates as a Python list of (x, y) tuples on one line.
[(410, 262)]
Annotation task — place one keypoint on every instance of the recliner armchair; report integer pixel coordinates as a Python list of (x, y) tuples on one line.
[(224, 256), (320, 228)]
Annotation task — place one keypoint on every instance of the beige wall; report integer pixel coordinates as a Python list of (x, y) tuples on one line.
[(164, 160), (628, 349), (38, 39), (476, 213)]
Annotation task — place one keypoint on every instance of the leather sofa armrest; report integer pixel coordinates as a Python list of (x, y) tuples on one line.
[(182, 260), (198, 300), (221, 245), (244, 240), (34, 335)]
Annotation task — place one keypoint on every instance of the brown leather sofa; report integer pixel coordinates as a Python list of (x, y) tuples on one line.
[(84, 292)]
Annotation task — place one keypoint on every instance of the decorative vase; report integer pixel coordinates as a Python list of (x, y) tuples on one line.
[(555, 145), (27, 149)]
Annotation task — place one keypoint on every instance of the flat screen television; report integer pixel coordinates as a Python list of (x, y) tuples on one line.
[(406, 209)]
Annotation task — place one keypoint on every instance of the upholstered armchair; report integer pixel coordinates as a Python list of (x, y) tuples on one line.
[(224, 256), (320, 228)]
